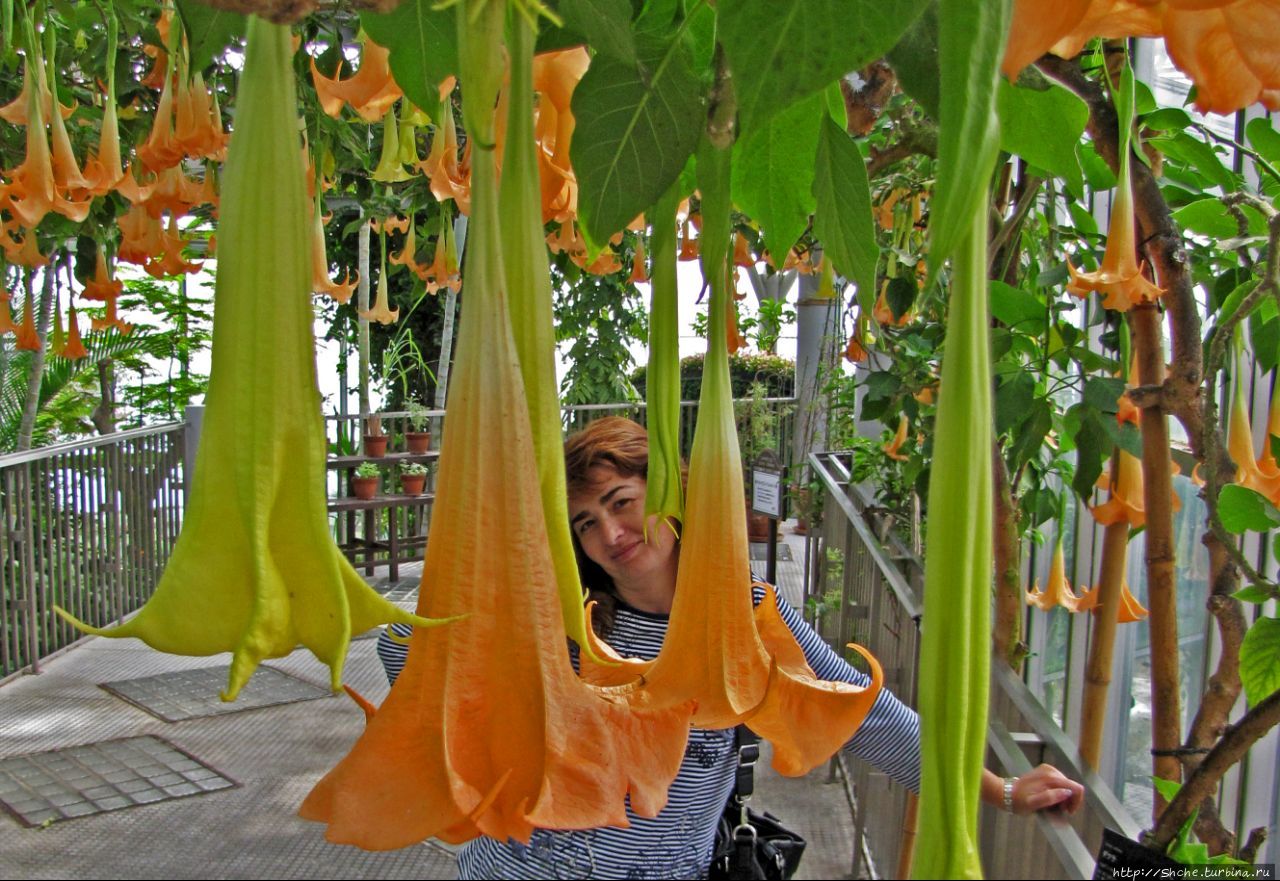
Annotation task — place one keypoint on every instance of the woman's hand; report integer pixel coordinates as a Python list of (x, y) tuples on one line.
[(1043, 788)]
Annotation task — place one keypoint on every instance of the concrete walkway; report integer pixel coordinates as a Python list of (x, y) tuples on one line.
[(275, 754)]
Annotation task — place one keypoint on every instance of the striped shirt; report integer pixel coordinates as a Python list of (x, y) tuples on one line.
[(678, 842)]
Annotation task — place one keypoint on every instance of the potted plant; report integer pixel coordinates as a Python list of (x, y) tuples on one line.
[(375, 442), (418, 440), (365, 481), (413, 478)]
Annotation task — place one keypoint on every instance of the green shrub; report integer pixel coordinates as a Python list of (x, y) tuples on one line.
[(777, 374)]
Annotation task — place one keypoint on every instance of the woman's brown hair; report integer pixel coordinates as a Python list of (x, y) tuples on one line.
[(612, 442)]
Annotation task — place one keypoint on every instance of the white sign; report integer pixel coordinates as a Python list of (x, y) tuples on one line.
[(766, 493)]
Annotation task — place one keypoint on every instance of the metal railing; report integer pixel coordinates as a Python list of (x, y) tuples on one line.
[(344, 431), (867, 584), (87, 526)]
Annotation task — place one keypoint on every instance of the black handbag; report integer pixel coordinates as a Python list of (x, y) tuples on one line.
[(751, 845)]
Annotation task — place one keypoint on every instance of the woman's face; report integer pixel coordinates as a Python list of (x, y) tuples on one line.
[(608, 520)]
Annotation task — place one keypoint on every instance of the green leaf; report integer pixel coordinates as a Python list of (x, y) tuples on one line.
[(1264, 336), (915, 60), (1097, 173), (1126, 436), (1044, 128), (1241, 510), (1199, 155), (773, 182), (1263, 138), (1260, 660), (1092, 447), (1168, 789), (637, 127), (1030, 437), (842, 220), (1014, 398), (209, 30), (1253, 593), (423, 45), (784, 50), (1017, 308), (1166, 119), (971, 35), (1102, 393), (605, 23), (1208, 217), (1083, 221)]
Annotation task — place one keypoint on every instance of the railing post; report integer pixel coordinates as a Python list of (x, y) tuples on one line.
[(194, 414)]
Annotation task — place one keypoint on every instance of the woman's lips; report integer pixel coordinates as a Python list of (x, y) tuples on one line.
[(625, 554)]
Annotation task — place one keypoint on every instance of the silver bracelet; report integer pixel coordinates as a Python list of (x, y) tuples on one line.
[(1008, 793)]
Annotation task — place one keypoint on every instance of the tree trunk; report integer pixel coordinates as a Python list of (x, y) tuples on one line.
[(104, 415), (1097, 676), (1006, 634), (31, 407), (362, 324)]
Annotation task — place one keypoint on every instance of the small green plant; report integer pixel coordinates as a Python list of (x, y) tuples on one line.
[(417, 415), (367, 469), (411, 469)]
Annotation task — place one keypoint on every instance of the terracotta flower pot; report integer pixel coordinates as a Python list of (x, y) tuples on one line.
[(375, 444), (418, 442), (365, 487), (757, 527), (413, 484)]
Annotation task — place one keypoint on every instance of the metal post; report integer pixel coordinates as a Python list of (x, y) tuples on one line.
[(194, 414)]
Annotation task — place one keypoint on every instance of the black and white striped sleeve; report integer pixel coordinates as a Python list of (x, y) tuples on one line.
[(889, 737)]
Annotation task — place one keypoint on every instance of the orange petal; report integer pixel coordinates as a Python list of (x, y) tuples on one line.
[(74, 350)]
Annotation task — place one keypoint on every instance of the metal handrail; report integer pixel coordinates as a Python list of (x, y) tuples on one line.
[(46, 452), (879, 602)]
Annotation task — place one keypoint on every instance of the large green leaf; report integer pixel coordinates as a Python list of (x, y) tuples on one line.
[(1263, 138), (637, 126), (915, 60), (605, 23), (971, 36), (783, 50), (209, 30), (1260, 660), (773, 173), (843, 218), (1211, 218), (423, 44), (1044, 128), (1019, 309), (1185, 147), (1243, 510)]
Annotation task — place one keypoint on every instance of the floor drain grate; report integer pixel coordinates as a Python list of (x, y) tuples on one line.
[(192, 694), (80, 781), (760, 552)]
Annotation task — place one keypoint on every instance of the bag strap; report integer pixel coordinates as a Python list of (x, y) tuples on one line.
[(747, 748)]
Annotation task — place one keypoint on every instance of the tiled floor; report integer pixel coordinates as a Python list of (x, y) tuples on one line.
[(189, 694), (78, 781)]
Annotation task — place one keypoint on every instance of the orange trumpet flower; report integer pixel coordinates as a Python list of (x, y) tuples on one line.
[(899, 438), (488, 726), (103, 171), (1240, 446), (25, 252), (638, 271), (1119, 279), (33, 191), (320, 281), (111, 319), (6, 316), (74, 348), (141, 237), (1226, 47), (171, 262), (28, 339), (1130, 609), (371, 91), (161, 149), (382, 311), (1058, 590)]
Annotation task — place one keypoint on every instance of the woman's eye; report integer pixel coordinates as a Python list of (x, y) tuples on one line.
[(584, 526)]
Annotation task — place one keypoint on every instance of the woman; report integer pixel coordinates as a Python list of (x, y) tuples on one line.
[(629, 566)]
